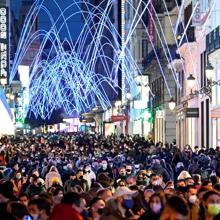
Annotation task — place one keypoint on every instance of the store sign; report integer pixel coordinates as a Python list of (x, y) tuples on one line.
[(160, 114), (4, 41), (151, 15), (192, 112), (119, 118), (201, 11)]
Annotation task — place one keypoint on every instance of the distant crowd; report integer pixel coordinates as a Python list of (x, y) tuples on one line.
[(79, 176)]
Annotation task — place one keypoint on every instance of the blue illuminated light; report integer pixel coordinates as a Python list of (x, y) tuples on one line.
[(69, 79)]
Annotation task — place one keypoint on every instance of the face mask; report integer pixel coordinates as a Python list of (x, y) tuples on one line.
[(156, 207), (156, 183), (123, 174), (100, 211), (35, 216), (128, 203), (104, 166), (81, 177), (18, 176), (193, 199), (213, 209), (182, 189)]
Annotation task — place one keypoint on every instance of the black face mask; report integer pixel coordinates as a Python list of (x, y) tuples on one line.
[(81, 177), (182, 189), (100, 211)]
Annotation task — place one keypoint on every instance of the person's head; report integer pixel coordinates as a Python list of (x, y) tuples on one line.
[(147, 194), (156, 203), (24, 199), (201, 192), (122, 171), (104, 164), (131, 181), (39, 208), (57, 195), (207, 184), (129, 169), (124, 196), (17, 209), (97, 206), (175, 208), (155, 180), (104, 194), (211, 203), (79, 174), (75, 200), (197, 179), (191, 194), (18, 176)]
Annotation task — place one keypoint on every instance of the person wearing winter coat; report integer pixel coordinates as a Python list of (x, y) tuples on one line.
[(51, 176)]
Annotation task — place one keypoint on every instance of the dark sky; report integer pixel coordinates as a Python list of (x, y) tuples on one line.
[(74, 23)]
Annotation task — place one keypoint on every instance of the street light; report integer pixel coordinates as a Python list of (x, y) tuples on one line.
[(172, 104), (128, 96), (3, 80), (191, 81), (209, 72)]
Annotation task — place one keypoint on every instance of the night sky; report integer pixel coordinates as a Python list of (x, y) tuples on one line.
[(74, 23)]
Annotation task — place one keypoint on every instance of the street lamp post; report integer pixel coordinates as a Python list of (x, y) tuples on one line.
[(207, 90)]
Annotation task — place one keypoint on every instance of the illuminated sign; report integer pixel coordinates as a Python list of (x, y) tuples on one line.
[(4, 41)]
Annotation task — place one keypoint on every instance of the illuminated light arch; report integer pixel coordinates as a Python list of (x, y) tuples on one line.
[(69, 79)]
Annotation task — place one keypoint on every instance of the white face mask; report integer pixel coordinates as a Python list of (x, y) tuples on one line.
[(193, 198), (156, 207), (35, 216)]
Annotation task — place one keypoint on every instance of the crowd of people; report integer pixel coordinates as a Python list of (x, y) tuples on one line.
[(81, 176)]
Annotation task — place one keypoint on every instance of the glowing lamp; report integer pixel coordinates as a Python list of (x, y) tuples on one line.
[(172, 104), (209, 72), (191, 81), (128, 96)]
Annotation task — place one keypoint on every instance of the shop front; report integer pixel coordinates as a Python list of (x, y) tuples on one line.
[(159, 126)]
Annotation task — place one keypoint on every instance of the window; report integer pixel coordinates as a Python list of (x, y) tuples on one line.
[(144, 48)]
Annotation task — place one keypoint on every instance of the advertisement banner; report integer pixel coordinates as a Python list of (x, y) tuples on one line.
[(201, 11), (151, 16), (4, 41)]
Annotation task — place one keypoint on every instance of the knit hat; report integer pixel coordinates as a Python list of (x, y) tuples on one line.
[(123, 190), (184, 175)]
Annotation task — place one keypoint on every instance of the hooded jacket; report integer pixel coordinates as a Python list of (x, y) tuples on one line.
[(52, 176)]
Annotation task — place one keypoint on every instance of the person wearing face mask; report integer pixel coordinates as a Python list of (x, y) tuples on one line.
[(39, 209), (105, 169), (122, 175), (120, 206), (57, 196), (89, 175), (155, 208), (80, 181), (18, 182), (24, 199), (129, 170), (211, 203), (193, 202), (96, 210)]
